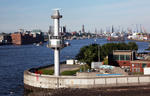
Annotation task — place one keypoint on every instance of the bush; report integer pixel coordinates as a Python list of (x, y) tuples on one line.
[(105, 61), (84, 68)]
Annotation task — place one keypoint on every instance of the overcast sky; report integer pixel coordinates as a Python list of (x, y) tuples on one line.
[(35, 14)]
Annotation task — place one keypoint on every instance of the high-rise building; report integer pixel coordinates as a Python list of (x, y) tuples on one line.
[(112, 29), (64, 29), (83, 30)]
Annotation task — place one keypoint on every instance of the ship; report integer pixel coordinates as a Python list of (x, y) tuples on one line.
[(110, 38), (138, 37), (115, 37), (138, 33)]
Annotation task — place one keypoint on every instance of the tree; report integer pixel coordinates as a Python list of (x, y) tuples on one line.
[(105, 61), (133, 46), (89, 53)]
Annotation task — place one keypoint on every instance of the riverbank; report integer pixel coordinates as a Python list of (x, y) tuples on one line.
[(136, 40)]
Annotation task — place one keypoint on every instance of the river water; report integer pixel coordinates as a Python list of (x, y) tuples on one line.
[(15, 59)]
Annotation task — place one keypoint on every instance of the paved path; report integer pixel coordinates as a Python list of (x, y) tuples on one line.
[(64, 67)]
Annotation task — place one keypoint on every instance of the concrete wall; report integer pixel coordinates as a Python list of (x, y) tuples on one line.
[(52, 82)]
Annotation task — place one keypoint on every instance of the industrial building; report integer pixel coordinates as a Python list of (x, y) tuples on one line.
[(19, 38), (127, 60), (5, 39)]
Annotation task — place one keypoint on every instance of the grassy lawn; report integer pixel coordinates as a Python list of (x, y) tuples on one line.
[(137, 73), (69, 72), (51, 72), (46, 72)]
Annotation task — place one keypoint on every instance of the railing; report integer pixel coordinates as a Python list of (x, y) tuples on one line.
[(56, 37)]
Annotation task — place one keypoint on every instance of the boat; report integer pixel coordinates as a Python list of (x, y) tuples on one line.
[(37, 44), (110, 38), (115, 37), (67, 44)]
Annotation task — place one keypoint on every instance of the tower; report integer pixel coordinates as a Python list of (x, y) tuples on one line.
[(64, 29), (56, 41), (83, 30), (112, 30)]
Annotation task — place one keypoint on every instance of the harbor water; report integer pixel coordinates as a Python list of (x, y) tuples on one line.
[(15, 59)]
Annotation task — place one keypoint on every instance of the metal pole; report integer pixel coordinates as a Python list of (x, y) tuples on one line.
[(98, 53), (56, 60)]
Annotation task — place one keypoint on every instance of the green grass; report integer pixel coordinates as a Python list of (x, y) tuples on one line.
[(46, 71), (51, 72), (69, 72), (137, 73)]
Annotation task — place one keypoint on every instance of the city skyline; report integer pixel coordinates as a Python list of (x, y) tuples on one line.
[(35, 14)]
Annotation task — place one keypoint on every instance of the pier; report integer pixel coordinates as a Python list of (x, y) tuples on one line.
[(46, 82)]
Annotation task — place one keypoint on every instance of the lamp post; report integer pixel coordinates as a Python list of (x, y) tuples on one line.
[(99, 53), (98, 49)]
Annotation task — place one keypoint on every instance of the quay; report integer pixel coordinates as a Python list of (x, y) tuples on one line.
[(45, 82)]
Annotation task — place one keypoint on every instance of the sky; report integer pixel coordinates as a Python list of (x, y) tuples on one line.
[(35, 14)]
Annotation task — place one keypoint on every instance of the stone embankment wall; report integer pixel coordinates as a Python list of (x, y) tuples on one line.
[(53, 82)]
